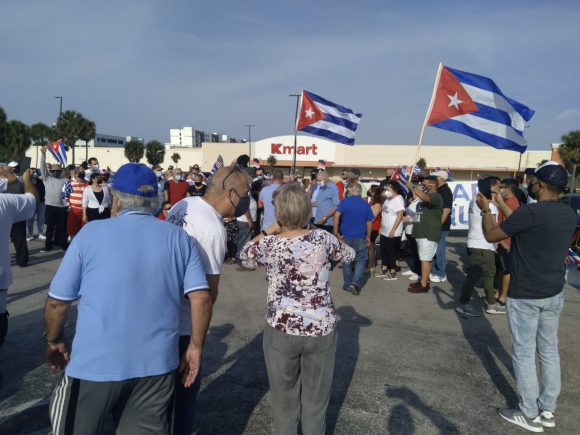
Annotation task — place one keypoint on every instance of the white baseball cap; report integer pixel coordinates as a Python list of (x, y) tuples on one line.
[(442, 174), (13, 164)]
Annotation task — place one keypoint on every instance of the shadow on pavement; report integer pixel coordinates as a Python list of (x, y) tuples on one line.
[(347, 352), (400, 419), (23, 294), (484, 342), (238, 390)]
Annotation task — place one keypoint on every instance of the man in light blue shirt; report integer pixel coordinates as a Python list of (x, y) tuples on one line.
[(327, 200), (265, 199), (124, 352)]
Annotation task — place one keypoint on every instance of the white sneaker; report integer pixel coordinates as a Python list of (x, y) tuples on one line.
[(29, 239), (435, 278), (407, 272), (547, 419), (414, 277), (41, 237)]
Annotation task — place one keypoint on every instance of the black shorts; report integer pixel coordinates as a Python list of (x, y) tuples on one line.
[(374, 235), (503, 261)]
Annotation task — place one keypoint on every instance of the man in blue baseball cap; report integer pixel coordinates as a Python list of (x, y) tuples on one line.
[(540, 235), (124, 352)]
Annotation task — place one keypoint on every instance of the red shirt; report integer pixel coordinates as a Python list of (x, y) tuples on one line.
[(376, 225), (340, 187), (177, 190), (512, 203)]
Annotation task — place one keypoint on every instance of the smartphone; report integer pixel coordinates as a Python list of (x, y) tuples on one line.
[(484, 186)]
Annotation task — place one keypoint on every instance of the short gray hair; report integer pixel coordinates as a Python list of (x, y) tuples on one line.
[(354, 189), (292, 206), (147, 204)]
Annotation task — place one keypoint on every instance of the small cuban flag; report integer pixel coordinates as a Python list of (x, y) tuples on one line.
[(324, 118), (475, 106), (58, 151)]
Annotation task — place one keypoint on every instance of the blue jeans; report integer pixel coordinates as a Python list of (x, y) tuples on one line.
[(39, 216), (359, 263), (440, 262), (533, 327)]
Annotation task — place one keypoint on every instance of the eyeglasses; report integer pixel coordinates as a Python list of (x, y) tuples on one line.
[(167, 209), (235, 168)]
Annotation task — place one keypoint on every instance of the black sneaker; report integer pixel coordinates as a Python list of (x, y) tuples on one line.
[(517, 417), (3, 326), (354, 289)]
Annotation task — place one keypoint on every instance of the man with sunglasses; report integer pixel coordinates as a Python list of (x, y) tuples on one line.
[(227, 196), (540, 235)]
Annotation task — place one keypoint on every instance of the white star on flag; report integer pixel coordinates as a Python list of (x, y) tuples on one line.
[(454, 101), (309, 113)]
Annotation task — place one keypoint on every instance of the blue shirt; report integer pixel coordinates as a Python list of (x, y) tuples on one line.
[(266, 197), (129, 274), (355, 212), (326, 200)]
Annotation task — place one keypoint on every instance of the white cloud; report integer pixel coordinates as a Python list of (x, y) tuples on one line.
[(567, 114)]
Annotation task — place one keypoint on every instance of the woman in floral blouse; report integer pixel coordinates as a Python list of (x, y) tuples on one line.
[(299, 337)]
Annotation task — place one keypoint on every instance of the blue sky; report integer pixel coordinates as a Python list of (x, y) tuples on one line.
[(142, 67)]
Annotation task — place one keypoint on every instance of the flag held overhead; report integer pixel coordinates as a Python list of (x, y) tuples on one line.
[(475, 106)]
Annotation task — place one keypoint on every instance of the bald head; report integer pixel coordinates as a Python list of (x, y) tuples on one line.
[(226, 178)]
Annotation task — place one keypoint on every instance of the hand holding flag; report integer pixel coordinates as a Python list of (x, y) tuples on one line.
[(58, 151)]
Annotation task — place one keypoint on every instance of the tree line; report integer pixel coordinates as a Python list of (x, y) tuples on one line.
[(16, 137)]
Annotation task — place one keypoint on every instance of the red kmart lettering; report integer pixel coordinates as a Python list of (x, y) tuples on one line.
[(278, 148)]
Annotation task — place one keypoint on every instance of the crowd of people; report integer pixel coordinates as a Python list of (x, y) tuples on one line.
[(299, 229)]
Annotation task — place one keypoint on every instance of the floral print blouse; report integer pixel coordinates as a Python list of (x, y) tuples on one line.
[(298, 271)]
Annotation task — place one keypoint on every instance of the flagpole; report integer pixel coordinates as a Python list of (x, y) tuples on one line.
[(295, 133), (428, 112)]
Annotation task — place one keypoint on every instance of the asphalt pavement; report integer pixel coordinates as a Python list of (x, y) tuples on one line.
[(406, 363)]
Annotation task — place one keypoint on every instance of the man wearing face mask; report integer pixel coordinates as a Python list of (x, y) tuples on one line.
[(227, 196), (325, 199), (176, 189), (56, 207), (540, 235), (198, 188)]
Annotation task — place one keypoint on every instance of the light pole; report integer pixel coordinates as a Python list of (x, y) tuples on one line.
[(295, 133), (249, 138)]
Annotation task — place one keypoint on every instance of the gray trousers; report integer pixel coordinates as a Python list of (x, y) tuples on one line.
[(300, 372), (138, 406)]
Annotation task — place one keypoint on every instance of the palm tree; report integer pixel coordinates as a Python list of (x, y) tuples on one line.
[(175, 157), (155, 152), (421, 164), (134, 151), (570, 153), (87, 133), (40, 135), (69, 127), (272, 161), (3, 128), (18, 139)]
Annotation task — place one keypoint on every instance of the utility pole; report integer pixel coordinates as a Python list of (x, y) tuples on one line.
[(293, 173), (249, 138)]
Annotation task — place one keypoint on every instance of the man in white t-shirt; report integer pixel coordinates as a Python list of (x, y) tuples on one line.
[(201, 217), (13, 208), (481, 259)]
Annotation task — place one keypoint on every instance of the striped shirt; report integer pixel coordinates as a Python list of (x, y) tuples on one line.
[(74, 192)]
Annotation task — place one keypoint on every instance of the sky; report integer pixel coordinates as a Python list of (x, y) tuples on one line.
[(142, 67)]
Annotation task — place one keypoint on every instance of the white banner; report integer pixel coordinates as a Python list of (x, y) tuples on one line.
[(463, 193)]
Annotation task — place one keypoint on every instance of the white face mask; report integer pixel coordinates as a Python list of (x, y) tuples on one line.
[(158, 174), (95, 167), (388, 194), (502, 191)]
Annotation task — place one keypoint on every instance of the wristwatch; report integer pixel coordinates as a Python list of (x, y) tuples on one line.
[(485, 211)]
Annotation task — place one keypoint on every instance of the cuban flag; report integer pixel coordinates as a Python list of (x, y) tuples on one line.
[(323, 118), (475, 106), (58, 151), (401, 177)]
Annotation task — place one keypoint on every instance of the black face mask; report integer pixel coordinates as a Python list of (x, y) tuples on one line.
[(81, 175), (243, 205), (55, 174), (197, 183)]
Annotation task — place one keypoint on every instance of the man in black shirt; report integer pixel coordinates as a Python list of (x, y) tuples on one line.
[(540, 235), (439, 272)]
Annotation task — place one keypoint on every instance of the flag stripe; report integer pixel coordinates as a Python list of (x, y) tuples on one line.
[(329, 104), (482, 136), (355, 119), (498, 116), (492, 127), (330, 126), (328, 134), (340, 121), (489, 85), (496, 102)]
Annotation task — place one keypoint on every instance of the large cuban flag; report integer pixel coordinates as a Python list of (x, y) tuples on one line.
[(475, 106), (324, 118)]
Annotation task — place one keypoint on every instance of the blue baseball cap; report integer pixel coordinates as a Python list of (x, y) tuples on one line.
[(551, 173), (132, 177)]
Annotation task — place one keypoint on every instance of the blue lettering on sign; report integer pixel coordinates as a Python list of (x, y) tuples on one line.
[(460, 193), (463, 216)]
